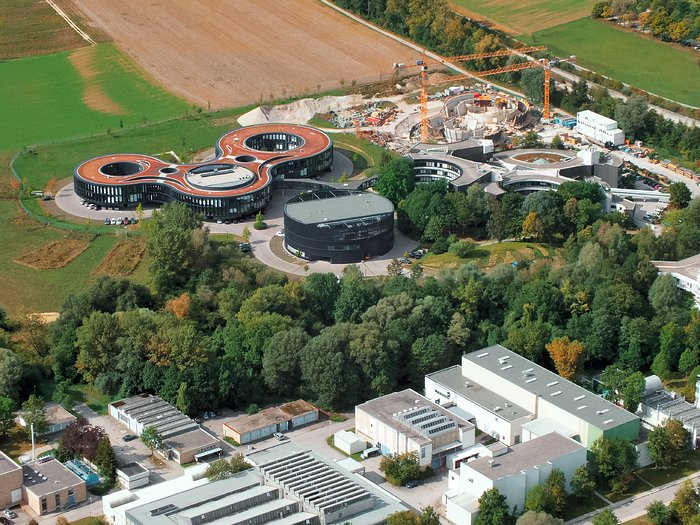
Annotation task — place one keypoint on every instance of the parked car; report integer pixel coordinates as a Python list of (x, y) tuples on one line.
[(125, 222), (219, 221), (128, 437), (244, 247), (412, 483), (280, 233), (4, 521), (107, 221), (113, 221), (9, 514), (133, 220), (279, 436)]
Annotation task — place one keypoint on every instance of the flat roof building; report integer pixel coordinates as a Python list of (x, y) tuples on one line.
[(49, 486), (248, 428), (686, 272), (185, 440), (408, 422), (514, 473), (515, 399), (10, 481)]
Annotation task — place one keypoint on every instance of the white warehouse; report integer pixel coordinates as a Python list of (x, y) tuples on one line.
[(599, 128)]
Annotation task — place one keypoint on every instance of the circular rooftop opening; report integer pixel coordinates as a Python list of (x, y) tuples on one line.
[(274, 142), (121, 168), (245, 158), (169, 170)]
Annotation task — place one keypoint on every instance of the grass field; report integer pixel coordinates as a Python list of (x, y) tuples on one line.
[(72, 94), (629, 57), (31, 27), (487, 256), (524, 16)]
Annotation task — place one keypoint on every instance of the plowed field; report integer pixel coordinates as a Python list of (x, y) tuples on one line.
[(227, 53)]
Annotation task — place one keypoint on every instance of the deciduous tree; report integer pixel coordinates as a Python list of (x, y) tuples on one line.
[(151, 438), (33, 413), (493, 509), (7, 415), (567, 356), (223, 468)]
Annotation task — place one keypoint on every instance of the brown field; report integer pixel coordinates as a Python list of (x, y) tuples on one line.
[(94, 97), (55, 254), (123, 259), (228, 53)]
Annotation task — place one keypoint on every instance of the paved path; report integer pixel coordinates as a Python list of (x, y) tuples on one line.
[(635, 506)]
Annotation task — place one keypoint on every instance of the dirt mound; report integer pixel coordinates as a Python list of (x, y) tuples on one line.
[(56, 254), (93, 95), (298, 112)]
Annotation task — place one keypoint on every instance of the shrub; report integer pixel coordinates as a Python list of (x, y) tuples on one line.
[(252, 409), (462, 249), (439, 246)]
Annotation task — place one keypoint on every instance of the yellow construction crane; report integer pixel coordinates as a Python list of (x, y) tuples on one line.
[(423, 64)]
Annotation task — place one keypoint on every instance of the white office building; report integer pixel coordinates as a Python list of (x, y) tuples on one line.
[(514, 473), (686, 272), (598, 128)]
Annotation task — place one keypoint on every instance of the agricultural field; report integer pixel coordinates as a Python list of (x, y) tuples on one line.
[(664, 69), (76, 93), (250, 50), (32, 27), (524, 16)]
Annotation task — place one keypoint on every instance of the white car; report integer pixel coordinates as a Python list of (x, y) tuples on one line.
[(113, 221), (280, 233), (9, 514)]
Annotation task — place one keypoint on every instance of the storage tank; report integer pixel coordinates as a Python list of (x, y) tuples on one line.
[(652, 384)]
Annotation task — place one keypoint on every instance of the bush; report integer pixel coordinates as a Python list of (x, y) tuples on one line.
[(462, 249), (252, 409), (259, 225), (401, 468), (439, 246)]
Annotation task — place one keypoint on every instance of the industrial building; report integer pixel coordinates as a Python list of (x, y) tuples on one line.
[(340, 226), (10, 481), (659, 405), (686, 272), (408, 422), (236, 183), (185, 441), (598, 128), (249, 428), (49, 486), (516, 400), (348, 442), (133, 475), (286, 486), (513, 473)]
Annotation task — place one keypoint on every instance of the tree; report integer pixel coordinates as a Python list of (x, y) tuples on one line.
[(151, 438), (493, 509), (81, 440), (394, 267), (582, 483), (281, 355), (532, 226), (550, 496), (606, 517), (403, 517), (658, 513), (96, 341), (567, 356), (396, 179), (538, 518), (686, 503), (245, 234), (680, 195), (532, 82), (632, 391), (557, 142), (7, 415), (105, 460), (10, 373), (614, 461), (33, 414), (223, 468), (175, 247), (631, 116), (400, 468), (669, 443), (429, 517)]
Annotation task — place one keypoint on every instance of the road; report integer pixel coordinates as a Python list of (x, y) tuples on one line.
[(660, 170), (635, 506)]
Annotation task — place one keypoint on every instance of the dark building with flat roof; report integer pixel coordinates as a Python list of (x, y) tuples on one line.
[(341, 226)]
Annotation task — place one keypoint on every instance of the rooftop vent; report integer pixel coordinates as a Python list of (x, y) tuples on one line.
[(503, 359), (528, 370), (555, 393), (604, 411), (553, 383), (608, 421), (497, 409), (531, 380), (579, 398), (482, 355), (581, 407), (506, 367)]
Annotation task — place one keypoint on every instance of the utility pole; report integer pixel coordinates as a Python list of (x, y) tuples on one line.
[(31, 426)]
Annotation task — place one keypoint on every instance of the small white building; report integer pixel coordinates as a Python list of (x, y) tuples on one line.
[(348, 442), (599, 128), (514, 473), (408, 422), (57, 419), (686, 272), (132, 476)]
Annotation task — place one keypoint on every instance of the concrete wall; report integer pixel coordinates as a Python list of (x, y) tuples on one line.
[(10, 487)]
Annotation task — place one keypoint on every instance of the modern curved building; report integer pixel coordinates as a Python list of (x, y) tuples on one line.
[(236, 183), (341, 226)]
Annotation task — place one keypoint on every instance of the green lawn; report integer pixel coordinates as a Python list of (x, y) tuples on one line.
[(638, 60), (661, 476), (526, 16), (489, 255), (46, 94)]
